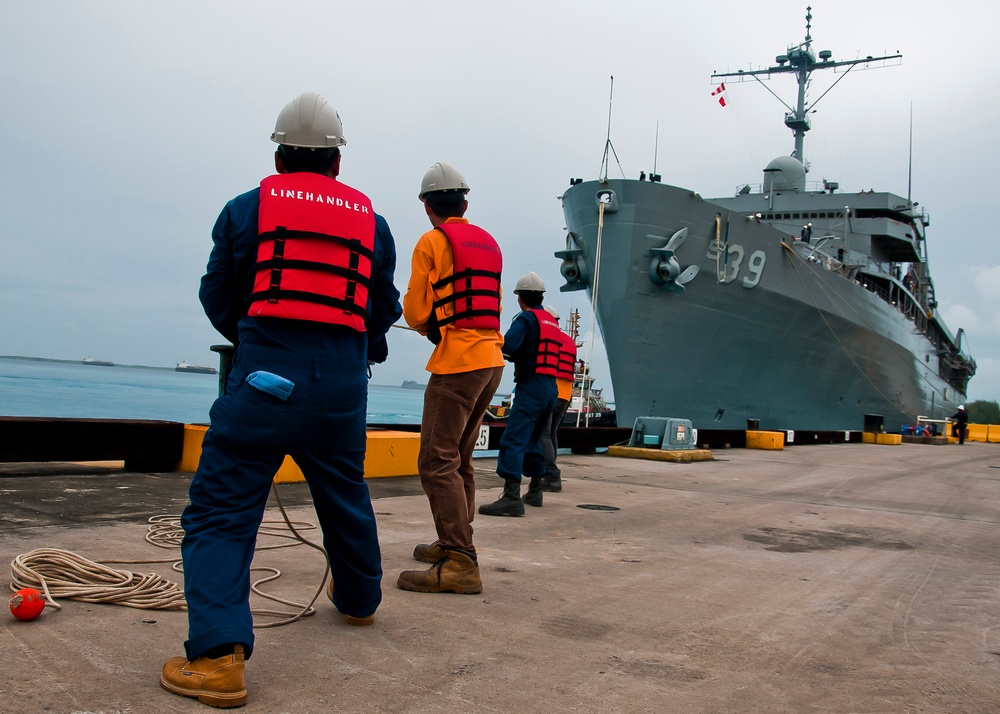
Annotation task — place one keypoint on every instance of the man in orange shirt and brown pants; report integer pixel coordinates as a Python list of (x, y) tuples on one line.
[(453, 298)]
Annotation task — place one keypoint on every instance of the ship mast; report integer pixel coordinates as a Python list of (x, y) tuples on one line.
[(574, 327), (802, 61)]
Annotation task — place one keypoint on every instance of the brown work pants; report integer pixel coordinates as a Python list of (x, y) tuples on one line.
[(454, 405)]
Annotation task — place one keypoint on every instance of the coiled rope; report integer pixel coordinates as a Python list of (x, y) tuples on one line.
[(63, 574)]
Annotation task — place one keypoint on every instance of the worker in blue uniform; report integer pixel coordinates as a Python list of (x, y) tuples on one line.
[(300, 279), (532, 343), (960, 424)]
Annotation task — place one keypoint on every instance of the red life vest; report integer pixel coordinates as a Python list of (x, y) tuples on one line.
[(314, 259), (475, 278), (549, 343), (567, 357)]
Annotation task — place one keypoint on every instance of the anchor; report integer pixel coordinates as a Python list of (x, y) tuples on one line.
[(574, 267), (664, 270)]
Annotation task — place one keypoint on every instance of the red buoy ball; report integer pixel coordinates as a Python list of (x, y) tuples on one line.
[(27, 604)]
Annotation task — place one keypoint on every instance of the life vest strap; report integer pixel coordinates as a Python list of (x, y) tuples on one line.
[(467, 273), (471, 313), (326, 300), (353, 243), (279, 254), (276, 265), (478, 292)]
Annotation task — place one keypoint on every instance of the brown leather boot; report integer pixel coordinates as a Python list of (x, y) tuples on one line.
[(428, 553), (454, 573), (349, 619), (215, 682)]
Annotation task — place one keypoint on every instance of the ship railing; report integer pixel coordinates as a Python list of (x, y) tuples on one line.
[(810, 187), (818, 251), (869, 284), (924, 420)]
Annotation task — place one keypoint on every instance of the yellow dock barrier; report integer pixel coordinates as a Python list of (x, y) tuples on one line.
[(767, 440), (677, 455), (389, 453), (871, 437), (985, 433)]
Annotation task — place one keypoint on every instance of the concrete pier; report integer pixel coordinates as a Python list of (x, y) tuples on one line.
[(827, 578)]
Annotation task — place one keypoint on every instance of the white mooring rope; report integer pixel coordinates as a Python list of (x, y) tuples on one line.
[(63, 574)]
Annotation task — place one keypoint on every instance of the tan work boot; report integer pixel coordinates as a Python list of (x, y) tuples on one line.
[(350, 619), (215, 682), (428, 553), (455, 573)]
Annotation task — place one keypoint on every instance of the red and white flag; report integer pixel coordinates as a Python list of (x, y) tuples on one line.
[(720, 91)]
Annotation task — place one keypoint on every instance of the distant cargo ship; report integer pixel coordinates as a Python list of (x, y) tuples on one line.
[(98, 362), (196, 368), (410, 384)]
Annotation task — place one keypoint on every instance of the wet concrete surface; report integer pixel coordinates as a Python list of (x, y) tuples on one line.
[(837, 578)]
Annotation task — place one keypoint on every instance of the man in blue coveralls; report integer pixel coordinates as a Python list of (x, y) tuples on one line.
[(300, 279), (532, 343)]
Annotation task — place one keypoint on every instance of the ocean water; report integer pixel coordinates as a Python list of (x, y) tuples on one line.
[(72, 389)]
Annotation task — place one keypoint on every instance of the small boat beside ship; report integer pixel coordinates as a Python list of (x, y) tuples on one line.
[(587, 406), (195, 368)]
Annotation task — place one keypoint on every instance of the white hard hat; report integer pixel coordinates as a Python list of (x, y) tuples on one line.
[(552, 311), (961, 407), (309, 122), (442, 176), (529, 282)]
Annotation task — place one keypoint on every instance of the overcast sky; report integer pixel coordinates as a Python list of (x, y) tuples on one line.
[(127, 126)]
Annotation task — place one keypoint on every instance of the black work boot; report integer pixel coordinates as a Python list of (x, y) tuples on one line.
[(552, 482), (534, 495), (509, 503)]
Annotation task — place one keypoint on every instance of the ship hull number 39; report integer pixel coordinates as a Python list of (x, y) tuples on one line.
[(730, 261)]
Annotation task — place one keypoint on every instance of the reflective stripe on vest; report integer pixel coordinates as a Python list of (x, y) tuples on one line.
[(475, 279), (549, 343), (314, 259)]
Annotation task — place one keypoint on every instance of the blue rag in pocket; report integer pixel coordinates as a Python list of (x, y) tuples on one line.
[(271, 383)]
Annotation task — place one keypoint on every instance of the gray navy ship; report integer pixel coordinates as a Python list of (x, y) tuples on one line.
[(791, 303)]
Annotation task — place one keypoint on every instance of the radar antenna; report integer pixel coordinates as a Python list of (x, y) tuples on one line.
[(802, 61)]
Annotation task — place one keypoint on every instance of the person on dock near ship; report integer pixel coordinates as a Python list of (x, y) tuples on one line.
[(453, 298), (961, 421), (300, 279), (532, 343), (549, 438)]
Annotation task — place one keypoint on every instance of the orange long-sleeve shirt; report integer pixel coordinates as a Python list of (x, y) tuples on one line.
[(564, 389), (460, 349)]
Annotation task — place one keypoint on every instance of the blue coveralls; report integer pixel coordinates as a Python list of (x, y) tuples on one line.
[(321, 425), (534, 399)]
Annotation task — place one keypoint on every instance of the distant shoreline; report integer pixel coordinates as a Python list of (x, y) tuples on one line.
[(80, 361), (127, 366)]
